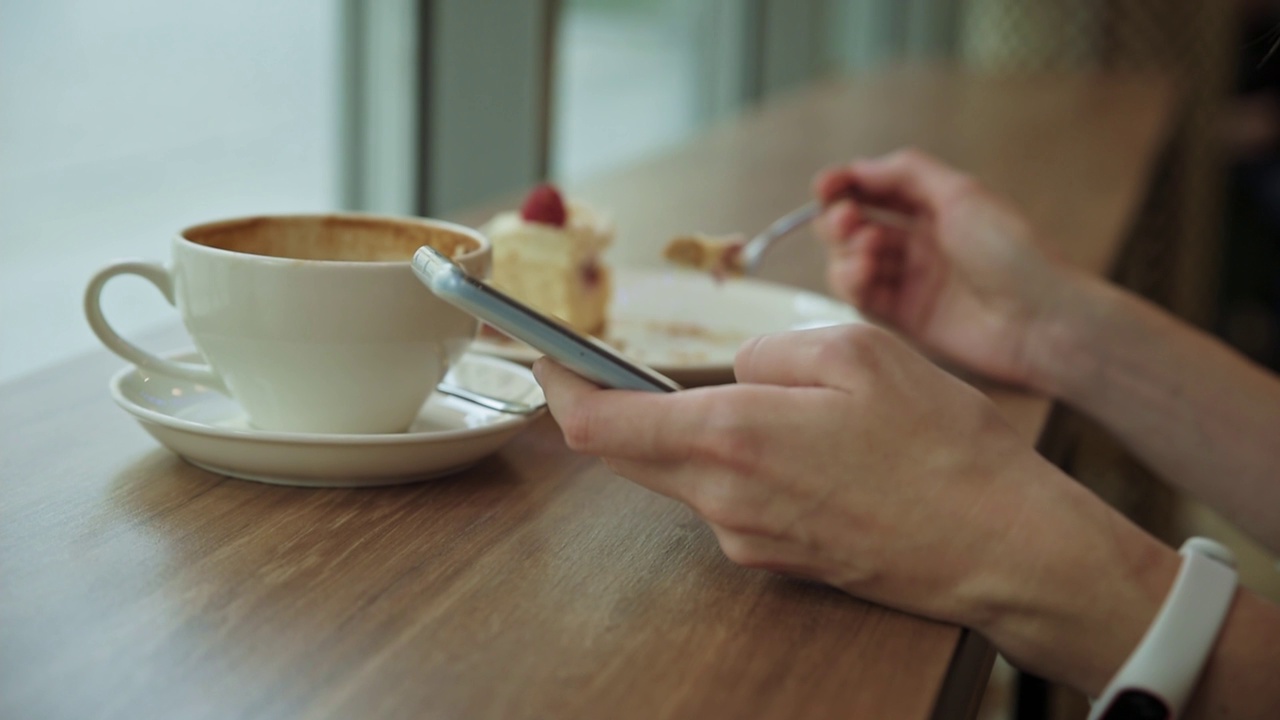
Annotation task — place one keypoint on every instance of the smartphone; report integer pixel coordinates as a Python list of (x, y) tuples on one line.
[(586, 356)]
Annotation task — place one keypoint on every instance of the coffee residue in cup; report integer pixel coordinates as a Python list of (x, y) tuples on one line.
[(330, 237)]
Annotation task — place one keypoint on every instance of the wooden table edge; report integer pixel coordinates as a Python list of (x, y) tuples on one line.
[(966, 678)]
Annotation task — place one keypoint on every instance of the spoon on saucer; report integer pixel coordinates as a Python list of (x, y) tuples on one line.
[(488, 401)]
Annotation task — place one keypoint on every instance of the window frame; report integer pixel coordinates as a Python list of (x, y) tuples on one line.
[(429, 81)]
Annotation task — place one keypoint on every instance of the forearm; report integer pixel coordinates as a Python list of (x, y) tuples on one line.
[(1199, 414)]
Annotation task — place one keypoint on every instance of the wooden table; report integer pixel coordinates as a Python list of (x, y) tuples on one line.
[(536, 585)]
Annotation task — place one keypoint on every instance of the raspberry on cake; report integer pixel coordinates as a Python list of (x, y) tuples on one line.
[(548, 256)]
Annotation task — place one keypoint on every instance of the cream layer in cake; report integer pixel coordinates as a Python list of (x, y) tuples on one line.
[(556, 270)]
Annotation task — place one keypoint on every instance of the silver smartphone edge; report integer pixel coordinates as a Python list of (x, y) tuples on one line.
[(585, 356)]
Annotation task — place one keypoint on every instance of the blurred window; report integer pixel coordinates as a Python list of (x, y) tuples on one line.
[(122, 122), (627, 81)]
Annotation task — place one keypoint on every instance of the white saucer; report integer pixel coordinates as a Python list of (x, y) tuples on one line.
[(688, 326), (211, 431)]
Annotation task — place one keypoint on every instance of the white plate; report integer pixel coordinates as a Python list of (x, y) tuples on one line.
[(688, 326), (211, 431)]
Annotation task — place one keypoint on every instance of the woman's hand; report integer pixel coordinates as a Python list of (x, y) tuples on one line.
[(962, 276), (845, 457)]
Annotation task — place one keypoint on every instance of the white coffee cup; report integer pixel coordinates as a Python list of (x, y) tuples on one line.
[(313, 323)]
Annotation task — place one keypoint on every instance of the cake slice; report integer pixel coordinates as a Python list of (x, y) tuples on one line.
[(720, 255), (548, 256)]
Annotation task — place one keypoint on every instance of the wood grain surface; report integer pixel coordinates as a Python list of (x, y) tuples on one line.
[(536, 584)]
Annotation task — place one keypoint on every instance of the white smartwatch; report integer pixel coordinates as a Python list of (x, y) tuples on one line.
[(1156, 680)]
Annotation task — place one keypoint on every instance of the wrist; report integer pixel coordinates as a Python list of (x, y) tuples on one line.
[(1076, 590), (1164, 669), (1066, 341)]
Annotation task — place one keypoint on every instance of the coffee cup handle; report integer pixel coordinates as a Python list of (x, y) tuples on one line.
[(159, 276)]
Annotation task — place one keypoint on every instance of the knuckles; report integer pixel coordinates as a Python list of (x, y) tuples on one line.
[(857, 350), (962, 189), (579, 429), (734, 440), (742, 550), (911, 156), (731, 435), (720, 503), (959, 186)]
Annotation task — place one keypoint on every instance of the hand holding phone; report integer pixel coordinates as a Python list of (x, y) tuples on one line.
[(586, 356)]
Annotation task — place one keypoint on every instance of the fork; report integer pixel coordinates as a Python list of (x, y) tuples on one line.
[(756, 247)]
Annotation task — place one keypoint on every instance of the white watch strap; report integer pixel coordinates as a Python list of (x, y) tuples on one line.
[(1168, 661)]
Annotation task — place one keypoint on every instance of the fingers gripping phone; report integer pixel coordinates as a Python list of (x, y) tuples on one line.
[(585, 356)]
